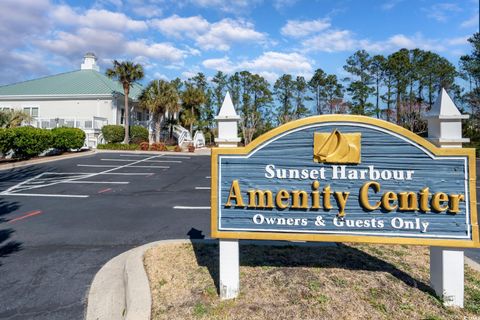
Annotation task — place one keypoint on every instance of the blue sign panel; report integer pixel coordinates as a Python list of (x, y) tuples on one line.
[(345, 178)]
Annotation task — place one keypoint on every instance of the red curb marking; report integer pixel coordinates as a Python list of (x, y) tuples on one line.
[(105, 190), (26, 215)]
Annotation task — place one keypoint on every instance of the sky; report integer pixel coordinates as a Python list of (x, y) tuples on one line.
[(180, 38)]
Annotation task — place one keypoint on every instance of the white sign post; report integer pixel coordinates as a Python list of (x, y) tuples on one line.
[(227, 120), (446, 264)]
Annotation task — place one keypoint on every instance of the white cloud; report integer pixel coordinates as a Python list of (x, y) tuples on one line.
[(399, 41), (220, 64), (99, 19), (224, 33), (178, 27), (471, 22), (148, 11), (269, 65), (458, 41), (345, 40), (389, 5), (230, 6), (331, 41), (209, 36), (442, 11), (278, 61), (282, 4), (296, 28), (161, 51)]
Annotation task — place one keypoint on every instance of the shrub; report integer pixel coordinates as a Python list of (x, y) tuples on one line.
[(138, 134), (144, 146), (191, 148), (158, 146), (113, 133), (118, 146), (29, 142), (68, 138), (6, 141), (177, 148)]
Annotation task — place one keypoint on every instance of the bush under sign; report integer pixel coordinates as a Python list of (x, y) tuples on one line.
[(346, 179)]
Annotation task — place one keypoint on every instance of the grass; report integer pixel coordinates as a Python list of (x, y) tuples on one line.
[(341, 282)]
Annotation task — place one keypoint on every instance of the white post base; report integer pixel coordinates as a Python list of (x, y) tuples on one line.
[(447, 275), (229, 269)]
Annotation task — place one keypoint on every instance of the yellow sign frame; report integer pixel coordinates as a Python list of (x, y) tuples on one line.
[(468, 152)]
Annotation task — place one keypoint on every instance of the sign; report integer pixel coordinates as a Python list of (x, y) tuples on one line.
[(346, 179)]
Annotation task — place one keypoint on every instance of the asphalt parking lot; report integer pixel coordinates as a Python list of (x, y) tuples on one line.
[(61, 221)]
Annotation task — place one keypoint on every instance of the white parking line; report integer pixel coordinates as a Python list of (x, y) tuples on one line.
[(176, 157), (114, 166), (191, 208), (98, 182), (108, 173), (202, 188), (208, 177), (10, 190), (127, 160), (45, 195)]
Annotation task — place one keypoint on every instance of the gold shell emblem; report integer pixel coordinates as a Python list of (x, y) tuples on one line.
[(336, 147)]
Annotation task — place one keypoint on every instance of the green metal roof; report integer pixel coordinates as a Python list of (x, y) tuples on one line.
[(80, 82)]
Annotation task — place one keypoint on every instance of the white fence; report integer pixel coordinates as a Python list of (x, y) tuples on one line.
[(94, 123)]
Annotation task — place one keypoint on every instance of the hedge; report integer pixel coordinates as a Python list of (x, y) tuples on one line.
[(6, 140), (113, 133), (138, 134), (118, 146), (68, 138), (28, 142)]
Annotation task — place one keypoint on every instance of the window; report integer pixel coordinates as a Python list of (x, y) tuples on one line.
[(122, 116), (139, 116), (32, 111)]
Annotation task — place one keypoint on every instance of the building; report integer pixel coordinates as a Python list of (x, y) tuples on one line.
[(84, 98)]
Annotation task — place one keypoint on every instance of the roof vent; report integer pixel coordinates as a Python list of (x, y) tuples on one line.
[(90, 62)]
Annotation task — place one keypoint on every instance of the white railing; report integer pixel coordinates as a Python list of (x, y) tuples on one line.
[(94, 123), (199, 139), (182, 134)]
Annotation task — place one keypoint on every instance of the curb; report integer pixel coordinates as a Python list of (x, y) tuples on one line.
[(45, 159), (472, 264), (121, 290)]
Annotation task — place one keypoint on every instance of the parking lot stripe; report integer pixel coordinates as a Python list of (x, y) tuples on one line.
[(9, 192), (208, 177), (126, 160), (163, 156), (26, 215), (202, 188), (105, 190), (176, 157), (110, 173), (45, 195), (99, 182), (191, 208), (114, 166)]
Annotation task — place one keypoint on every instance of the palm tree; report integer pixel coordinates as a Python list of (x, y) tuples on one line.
[(13, 118), (192, 98), (159, 97), (127, 73)]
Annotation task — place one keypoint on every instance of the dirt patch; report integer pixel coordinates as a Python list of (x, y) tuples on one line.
[(344, 282)]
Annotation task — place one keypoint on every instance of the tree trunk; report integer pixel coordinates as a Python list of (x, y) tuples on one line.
[(157, 129), (191, 124), (151, 133), (377, 107), (126, 139), (398, 106)]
